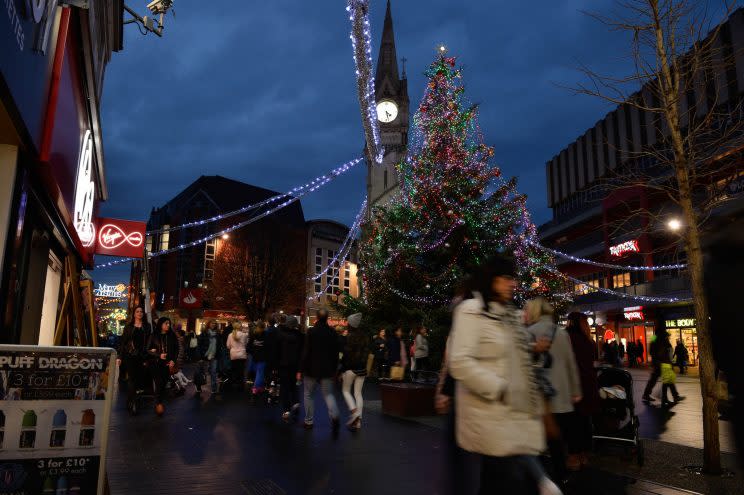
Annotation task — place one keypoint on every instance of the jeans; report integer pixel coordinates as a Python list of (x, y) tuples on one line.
[(259, 369), (351, 379), (664, 388), (512, 474), (212, 367), (288, 395), (238, 373), (655, 374), (326, 388), (135, 377), (160, 374)]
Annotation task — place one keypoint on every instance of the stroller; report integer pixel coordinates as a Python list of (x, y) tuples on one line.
[(617, 420)]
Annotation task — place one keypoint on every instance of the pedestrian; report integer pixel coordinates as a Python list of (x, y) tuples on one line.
[(257, 350), (133, 353), (192, 350), (271, 350), (421, 353), (631, 354), (562, 375), (320, 359), (210, 350), (379, 349), (664, 356), (681, 356), (237, 343), (162, 349), (397, 359), (290, 343), (653, 355), (620, 354), (579, 437), (499, 405), (354, 370)]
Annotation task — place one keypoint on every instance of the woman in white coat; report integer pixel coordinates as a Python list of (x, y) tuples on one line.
[(498, 403), (237, 343)]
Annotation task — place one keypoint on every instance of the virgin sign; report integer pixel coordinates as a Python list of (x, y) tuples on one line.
[(121, 238)]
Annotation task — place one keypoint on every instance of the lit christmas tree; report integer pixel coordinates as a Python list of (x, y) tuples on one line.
[(454, 211)]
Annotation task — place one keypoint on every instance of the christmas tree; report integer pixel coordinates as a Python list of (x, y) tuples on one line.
[(454, 211)]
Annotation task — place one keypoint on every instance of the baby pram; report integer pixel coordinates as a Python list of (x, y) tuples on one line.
[(617, 420)]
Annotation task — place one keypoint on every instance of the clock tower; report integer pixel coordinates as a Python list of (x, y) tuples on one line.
[(391, 94)]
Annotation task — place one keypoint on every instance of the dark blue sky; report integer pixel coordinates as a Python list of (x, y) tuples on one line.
[(264, 92)]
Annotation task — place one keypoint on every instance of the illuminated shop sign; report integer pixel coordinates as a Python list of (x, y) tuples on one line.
[(624, 248), (634, 313), (121, 238), (103, 290), (85, 193), (680, 322)]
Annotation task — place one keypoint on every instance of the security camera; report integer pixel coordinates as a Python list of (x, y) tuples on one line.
[(159, 6)]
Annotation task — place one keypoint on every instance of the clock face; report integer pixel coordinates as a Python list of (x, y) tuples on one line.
[(387, 111)]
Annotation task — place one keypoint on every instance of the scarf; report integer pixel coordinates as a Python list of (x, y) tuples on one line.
[(523, 392), (212, 349)]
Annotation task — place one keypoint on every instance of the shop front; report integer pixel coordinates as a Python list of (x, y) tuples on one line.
[(51, 174), (684, 330)]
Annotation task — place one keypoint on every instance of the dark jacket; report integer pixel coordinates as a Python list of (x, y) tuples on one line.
[(356, 351), (583, 349), (133, 342), (379, 348), (163, 343), (203, 347), (393, 349), (320, 356), (271, 346), (257, 347), (289, 344)]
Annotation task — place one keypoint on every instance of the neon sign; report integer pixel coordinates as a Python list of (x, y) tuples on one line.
[(117, 291), (111, 236), (625, 247), (121, 238), (634, 313), (85, 193)]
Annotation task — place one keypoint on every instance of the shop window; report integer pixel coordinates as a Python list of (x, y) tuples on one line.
[(621, 280), (164, 238)]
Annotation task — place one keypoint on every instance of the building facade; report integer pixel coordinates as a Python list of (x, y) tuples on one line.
[(602, 213), (52, 174), (328, 275), (257, 269), (391, 93)]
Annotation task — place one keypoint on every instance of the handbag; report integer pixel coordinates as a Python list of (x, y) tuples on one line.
[(668, 376), (397, 373)]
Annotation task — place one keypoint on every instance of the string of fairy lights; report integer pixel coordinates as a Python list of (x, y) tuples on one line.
[(611, 266), (361, 43)]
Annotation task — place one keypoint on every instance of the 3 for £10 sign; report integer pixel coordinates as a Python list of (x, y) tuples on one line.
[(124, 238)]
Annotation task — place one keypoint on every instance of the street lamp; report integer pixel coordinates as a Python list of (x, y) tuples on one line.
[(225, 236), (674, 224)]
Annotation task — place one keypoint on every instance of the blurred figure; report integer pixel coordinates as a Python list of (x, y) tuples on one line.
[(257, 349), (163, 351), (421, 352), (132, 352), (664, 357), (290, 342), (681, 356), (562, 374), (579, 424), (320, 356), (632, 354), (396, 350), (354, 370), (379, 349), (498, 401), (653, 355), (210, 350), (237, 345), (640, 351)]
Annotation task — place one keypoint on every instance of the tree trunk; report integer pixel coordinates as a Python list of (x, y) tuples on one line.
[(668, 83)]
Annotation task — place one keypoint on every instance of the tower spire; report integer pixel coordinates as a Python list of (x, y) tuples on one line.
[(387, 59)]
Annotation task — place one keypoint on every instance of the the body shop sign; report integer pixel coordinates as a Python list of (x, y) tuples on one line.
[(120, 238)]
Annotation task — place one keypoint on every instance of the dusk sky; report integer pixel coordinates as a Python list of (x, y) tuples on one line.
[(264, 92)]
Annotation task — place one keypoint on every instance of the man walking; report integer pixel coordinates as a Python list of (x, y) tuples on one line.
[(653, 351), (320, 364), (290, 350)]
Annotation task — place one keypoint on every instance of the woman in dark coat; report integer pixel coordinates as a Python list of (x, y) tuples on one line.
[(163, 350), (133, 352), (579, 438)]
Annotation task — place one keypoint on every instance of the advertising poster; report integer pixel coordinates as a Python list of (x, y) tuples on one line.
[(55, 405)]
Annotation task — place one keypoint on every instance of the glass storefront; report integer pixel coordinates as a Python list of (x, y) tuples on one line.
[(684, 329)]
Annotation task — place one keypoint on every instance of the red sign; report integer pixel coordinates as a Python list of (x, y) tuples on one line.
[(634, 313), (121, 238), (625, 247), (190, 298)]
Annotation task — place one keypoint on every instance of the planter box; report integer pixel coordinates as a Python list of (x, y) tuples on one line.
[(407, 399)]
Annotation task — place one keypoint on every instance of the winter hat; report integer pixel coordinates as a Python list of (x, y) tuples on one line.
[(292, 322), (354, 320)]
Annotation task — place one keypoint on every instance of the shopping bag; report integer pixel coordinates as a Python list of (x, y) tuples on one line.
[(397, 373), (667, 374)]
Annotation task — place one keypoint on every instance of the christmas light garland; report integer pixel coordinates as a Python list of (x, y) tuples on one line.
[(361, 43), (341, 255), (316, 183), (623, 295), (113, 263), (350, 237), (678, 266)]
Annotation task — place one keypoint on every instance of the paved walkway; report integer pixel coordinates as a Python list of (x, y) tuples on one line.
[(235, 447)]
